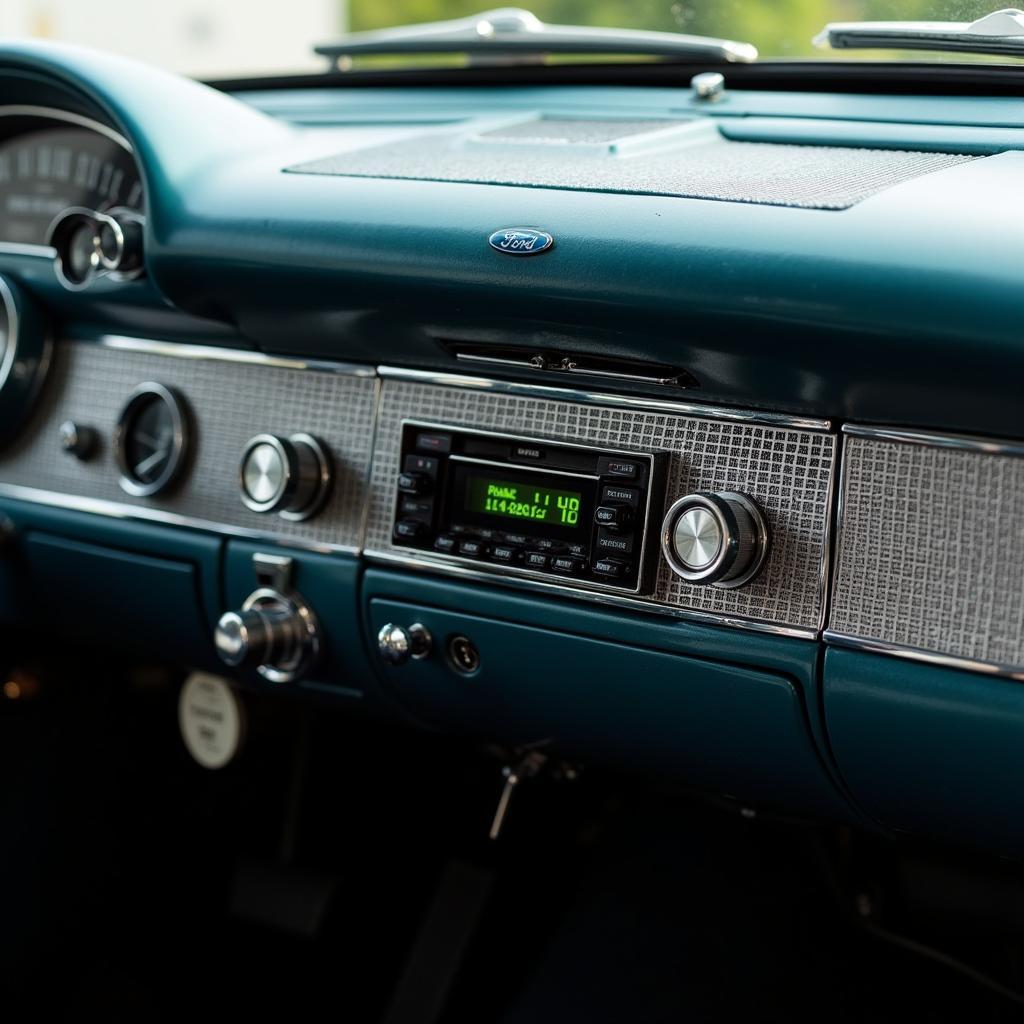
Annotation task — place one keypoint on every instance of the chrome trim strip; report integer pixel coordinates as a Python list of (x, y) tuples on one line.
[(184, 350), (859, 643), (963, 442), (23, 249), (565, 394), (97, 506), (424, 563), (830, 542), (56, 114)]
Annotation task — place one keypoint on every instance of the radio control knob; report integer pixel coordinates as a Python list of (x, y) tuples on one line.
[(715, 538), (397, 644), (290, 476)]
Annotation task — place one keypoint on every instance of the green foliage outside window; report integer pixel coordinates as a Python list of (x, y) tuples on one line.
[(776, 27)]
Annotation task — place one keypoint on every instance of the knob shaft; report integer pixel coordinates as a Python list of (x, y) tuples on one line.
[(715, 538), (398, 644), (290, 476)]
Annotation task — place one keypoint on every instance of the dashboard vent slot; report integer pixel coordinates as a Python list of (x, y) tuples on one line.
[(609, 369)]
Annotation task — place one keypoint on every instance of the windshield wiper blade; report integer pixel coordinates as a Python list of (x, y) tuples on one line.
[(510, 33), (1000, 33)]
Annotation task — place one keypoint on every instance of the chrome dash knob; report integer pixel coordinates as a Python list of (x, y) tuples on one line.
[(290, 476), (275, 634), (397, 644), (715, 538)]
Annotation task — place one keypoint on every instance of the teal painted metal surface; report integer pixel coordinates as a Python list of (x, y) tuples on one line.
[(808, 311), (927, 750), (716, 709), (148, 589)]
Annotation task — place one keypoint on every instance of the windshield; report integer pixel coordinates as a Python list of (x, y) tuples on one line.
[(227, 38)]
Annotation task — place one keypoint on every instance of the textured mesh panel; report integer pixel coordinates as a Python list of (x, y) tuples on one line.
[(815, 177), (930, 551), (230, 402), (786, 471)]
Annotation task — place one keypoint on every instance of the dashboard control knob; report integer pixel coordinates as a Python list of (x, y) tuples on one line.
[(397, 645), (274, 634), (715, 538), (78, 440), (290, 476)]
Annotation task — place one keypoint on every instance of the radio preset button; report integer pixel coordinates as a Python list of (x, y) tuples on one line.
[(445, 542), (414, 483), (537, 560), (472, 548), (421, 507), (615, 516), (614, 543), (612, 494), (610, 466), (409, 529), (613, 568), (568, 565), (507, 553)]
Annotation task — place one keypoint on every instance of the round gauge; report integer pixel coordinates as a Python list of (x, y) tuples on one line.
[(151, 439), (48, 167), (24, 357)]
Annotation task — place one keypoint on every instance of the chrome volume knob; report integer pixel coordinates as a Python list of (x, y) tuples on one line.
[(719, 539), (290, 476), (276, 635)]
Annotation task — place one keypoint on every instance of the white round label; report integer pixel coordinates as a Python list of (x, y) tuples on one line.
[(211, 718)]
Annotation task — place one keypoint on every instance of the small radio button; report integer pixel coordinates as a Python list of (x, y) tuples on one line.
[(614, 516), (414, 484), (472, 548), (614, 543), (568, 565), (445, 542), (409, 529), (537, 560), (613, 568), (620, 468), (507, 553), (613, 494), (437, 444)]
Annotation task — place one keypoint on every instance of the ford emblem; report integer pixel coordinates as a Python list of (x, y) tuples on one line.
[(521, 241)]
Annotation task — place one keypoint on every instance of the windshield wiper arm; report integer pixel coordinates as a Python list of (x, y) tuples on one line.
[(510, 32), (1001, 32)]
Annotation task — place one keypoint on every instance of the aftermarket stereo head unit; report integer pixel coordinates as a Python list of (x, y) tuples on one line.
[(561, 512)]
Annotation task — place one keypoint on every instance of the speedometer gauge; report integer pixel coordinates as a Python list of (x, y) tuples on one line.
[(48, 167)]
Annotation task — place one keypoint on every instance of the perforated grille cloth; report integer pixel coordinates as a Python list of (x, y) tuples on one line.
[(930, 552), (229, 403), (787, 471), (813, 177)]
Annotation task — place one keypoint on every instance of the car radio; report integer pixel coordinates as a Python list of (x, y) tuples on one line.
[(530, 508)]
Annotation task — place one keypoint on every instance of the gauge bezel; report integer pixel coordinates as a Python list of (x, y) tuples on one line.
[(179, 445)]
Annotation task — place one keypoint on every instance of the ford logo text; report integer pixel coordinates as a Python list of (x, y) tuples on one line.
[(521, 241)]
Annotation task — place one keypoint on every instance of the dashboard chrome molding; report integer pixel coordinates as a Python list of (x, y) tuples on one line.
[(46, 252), (56, 114), (859, 643), (115, 510), (185, 350), (962, 442), (481, 571), (564, 394)]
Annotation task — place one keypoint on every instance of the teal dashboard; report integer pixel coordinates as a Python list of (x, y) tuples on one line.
[(675, 433)]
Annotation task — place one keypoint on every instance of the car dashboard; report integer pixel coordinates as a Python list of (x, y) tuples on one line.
[(670, 432)]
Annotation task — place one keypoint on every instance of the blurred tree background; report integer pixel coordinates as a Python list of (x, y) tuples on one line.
[(776, 27)]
